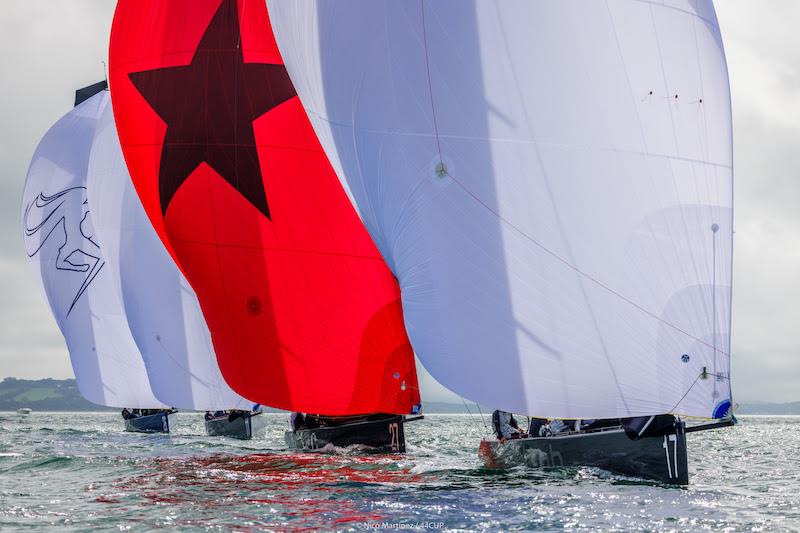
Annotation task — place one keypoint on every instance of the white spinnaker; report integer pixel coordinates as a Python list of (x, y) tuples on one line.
[(543, 178), (62, 246), (162, 310)]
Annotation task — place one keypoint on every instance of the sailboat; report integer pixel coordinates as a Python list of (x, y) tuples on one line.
[(551, 184), (63, 248), (161, 308), (303, 312)]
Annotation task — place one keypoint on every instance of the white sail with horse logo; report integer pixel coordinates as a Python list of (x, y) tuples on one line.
[(61, 245), (48, 216), (163, 312)]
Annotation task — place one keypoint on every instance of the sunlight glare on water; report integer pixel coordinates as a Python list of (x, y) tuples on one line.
[(81, 471)]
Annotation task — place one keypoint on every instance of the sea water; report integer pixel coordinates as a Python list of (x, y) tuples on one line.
[(81, 472)]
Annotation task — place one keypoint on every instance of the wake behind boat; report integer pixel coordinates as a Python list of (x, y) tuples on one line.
[(150, 420), (237, 424), (377, 433)]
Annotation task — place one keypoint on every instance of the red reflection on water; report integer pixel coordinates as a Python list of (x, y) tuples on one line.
[(299, 486)]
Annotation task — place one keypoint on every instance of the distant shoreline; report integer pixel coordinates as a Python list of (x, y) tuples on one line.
[(62, 396)]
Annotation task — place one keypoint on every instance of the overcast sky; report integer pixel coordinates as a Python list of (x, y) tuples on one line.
[(48, 48)]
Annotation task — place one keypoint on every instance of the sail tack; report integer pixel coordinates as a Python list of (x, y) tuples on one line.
[(304, 313), (551, 183), (162, 310), (63, 248)]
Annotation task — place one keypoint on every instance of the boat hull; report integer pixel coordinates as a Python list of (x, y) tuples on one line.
[(662, 458), (245, 427), (378, 436), (157, 423)]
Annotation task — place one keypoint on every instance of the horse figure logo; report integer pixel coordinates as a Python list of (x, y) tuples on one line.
[(70, 229)]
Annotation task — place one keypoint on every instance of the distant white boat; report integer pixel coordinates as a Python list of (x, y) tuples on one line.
[(24, 411)]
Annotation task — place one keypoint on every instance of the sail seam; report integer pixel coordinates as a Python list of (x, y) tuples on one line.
[(268, 249), (518, 141), (678, 9)]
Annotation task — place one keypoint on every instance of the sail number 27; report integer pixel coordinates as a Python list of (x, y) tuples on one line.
[(394, 434), (674, 440)]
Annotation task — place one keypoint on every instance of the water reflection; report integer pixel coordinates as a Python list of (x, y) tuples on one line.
[(101, 478), (303, 488)]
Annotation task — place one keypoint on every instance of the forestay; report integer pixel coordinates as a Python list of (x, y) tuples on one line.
[(550, 181), (161, 308), (61, 244)]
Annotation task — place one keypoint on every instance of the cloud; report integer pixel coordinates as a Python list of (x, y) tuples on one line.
[(763, 50), (47, 50)]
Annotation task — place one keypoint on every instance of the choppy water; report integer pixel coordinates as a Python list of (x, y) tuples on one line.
[(81, 472)]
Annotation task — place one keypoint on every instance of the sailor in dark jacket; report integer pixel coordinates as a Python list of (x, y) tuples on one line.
[(506, 427)]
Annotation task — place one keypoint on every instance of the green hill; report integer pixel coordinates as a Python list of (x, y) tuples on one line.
[(43, 395)]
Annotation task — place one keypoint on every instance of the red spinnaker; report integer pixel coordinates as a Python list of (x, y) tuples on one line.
[(304, 313)]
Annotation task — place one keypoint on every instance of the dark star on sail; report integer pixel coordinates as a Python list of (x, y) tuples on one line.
[(209, 107)]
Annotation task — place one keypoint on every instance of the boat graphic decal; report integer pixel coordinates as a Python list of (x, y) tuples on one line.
[(61, 223)]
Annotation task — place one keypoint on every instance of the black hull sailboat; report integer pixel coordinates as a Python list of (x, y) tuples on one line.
[(661, 457), (384, 435), (245, 426), (160, 422)]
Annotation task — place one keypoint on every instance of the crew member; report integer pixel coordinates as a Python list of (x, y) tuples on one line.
[(506, 426), (297, 421)]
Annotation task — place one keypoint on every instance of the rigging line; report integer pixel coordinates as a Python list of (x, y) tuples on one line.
[(687, 391), (714, 229), (430, 86), (471, 417), (482, 419), (531, 239), (180, 365), (578, 270)]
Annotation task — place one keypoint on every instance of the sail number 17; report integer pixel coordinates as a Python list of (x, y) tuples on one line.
[(674, 440)]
